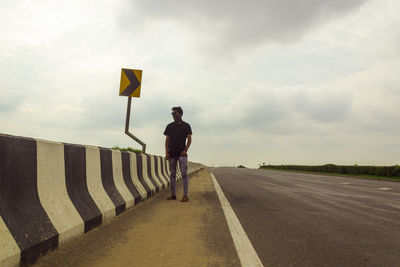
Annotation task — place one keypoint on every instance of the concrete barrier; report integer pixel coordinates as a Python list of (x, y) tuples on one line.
[(147, 184), (151, 172), (161, 170), (52, 192), (157, 173), (114, 185), (135, 179), (10, 252), (146, 174), (20, 206)]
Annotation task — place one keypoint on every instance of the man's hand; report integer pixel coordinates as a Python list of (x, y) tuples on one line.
[(184, 153), (166, 147)]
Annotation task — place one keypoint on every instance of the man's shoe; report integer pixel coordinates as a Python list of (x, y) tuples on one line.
[(171, 197), (185, 199)]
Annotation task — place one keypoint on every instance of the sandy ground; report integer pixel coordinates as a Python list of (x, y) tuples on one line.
[(157, 232)]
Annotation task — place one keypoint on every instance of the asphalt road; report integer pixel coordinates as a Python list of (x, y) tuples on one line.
[(295, 219)]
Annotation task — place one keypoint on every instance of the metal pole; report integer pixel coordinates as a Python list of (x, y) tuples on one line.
[(128, 115)]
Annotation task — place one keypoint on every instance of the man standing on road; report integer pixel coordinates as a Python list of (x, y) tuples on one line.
[(176, 149)]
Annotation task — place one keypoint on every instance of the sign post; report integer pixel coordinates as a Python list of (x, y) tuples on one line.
[(131, 81)]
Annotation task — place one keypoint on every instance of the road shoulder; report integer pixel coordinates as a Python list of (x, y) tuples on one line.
[(158, 233)]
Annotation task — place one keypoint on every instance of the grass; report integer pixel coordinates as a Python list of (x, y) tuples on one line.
[(393, 178), (135, 150)]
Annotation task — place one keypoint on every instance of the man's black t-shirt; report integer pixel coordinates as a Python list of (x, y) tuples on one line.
[(177, 133)]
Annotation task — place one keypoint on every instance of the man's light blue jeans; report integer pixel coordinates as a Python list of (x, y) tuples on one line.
[(183, 164)]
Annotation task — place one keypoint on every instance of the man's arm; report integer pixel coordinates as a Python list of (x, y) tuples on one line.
[(189, 141), (166, 147)]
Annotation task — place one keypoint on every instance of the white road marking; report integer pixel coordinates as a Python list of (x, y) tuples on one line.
[(247, 255), (385, 188), (346, 183)]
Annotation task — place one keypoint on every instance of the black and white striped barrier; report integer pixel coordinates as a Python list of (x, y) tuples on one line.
[(52, 192)]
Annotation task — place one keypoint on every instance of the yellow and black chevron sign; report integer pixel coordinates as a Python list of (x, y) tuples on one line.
[(131, 81)]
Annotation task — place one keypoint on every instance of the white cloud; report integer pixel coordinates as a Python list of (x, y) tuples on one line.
[(244, 23)]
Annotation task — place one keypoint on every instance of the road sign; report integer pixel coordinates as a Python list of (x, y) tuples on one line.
[(131, 81)]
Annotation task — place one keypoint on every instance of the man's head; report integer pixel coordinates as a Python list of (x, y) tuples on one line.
[(177, 113)]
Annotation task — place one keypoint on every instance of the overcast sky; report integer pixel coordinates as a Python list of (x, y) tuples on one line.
[(274, 81)]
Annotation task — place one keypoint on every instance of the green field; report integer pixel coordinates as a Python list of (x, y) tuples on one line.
[(375, 172)]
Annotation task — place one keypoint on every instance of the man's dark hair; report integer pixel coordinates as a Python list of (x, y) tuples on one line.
[(178, 109)]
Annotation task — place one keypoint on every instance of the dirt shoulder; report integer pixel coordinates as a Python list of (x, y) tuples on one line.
[(158, 232)]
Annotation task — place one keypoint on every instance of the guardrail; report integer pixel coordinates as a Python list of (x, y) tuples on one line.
[(52, 192)]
